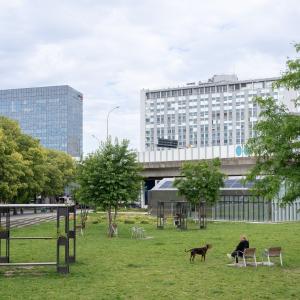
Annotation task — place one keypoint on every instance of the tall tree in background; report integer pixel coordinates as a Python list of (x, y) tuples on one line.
[(276, 145), (200, 181), (34, 178), (13, 167), (110, 178), (60, 171), (27, 169)]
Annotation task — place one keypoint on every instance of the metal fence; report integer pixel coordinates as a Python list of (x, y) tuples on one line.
[(253, 209), (289, 212), (242, 208), (231, 208)]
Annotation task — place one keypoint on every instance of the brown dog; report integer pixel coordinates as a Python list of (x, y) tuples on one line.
[(200, 251)]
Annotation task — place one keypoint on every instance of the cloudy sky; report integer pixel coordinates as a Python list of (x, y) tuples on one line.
[(110, 50)]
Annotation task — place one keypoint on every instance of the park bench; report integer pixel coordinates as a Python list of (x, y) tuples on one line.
[(137, 233), (249, 253), (272, 252)]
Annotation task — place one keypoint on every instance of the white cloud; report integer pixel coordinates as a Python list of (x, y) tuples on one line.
[(110, 50)]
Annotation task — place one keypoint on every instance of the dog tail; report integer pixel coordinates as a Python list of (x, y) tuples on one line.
[(188, 250)]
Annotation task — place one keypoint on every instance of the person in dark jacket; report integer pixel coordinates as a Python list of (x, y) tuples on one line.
[(238, 252)]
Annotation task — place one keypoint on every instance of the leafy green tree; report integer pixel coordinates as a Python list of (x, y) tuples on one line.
[(291, 77), (110, 178), (200, 181), (276, 144), (27, 169), (13, 167), (60, 171), (276, 147), (34, 178)]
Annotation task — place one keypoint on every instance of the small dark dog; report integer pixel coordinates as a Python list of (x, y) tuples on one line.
[(200, 251)]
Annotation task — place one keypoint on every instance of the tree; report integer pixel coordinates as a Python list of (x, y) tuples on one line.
[(291, 77), (110, 178), (60, 171), (13, 167), (200, 181), (276, 144), (27, 169), (34, 178)]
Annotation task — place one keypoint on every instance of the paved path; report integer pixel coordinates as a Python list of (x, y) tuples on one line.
[(28, 219)]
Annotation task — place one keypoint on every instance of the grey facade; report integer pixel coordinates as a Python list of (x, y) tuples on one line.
[(51, 114), (215, 113)]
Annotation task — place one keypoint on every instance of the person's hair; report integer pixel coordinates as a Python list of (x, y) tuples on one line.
[(243, 237)]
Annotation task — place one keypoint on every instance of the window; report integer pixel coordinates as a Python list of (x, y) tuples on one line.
[(195, 91)]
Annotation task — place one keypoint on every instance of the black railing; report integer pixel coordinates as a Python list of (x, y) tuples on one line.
[(242, 208)]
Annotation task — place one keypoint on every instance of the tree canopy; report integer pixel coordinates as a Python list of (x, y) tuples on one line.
[(109, 178), (200, 181), (291, 77), (276, 144), (27, 169)]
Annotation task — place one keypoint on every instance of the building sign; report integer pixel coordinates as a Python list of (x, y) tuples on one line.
[(241, 150)]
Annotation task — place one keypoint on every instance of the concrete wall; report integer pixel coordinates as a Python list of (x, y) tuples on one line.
[(230, 166)]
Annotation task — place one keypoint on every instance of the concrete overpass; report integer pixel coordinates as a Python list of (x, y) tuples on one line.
[(159, 164), (236, 166)]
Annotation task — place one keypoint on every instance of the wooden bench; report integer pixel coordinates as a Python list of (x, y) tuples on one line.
[(272, 252), (249, 253)]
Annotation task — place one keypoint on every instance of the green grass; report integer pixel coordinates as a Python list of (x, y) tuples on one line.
[(158, 268)]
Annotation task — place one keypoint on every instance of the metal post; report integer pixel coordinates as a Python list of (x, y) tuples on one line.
[(63, 241), (4, 235), (107, 120), (72, 235)]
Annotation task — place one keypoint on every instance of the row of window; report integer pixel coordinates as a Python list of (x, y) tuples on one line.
[(208, 89)]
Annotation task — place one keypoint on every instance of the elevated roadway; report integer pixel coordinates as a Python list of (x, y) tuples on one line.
[(236, 166)]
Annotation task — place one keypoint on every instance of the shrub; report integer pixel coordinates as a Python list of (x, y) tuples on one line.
[(144, 222), (129, 221)]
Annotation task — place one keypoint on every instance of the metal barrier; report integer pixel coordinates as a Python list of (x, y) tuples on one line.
[(66, 236)]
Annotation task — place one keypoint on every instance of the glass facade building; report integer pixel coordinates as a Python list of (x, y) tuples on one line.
[(51, 114)]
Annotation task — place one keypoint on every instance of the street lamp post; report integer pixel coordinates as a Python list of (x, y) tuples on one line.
[(107, 120), (96, 139)]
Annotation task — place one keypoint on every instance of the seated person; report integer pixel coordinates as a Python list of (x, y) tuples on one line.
[(238, 252)]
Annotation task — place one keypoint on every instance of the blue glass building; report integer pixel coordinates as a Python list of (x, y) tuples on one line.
[(52, 114)]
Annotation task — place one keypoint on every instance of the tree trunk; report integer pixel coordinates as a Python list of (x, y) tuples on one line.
[(84, 215), (110, 228), (115, 215), (115, 226)]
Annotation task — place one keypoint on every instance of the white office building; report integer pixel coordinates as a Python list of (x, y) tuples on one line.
[(219, 112)]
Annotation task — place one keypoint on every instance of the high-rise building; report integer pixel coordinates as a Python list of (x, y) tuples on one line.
[(215, 113), (52, 114)]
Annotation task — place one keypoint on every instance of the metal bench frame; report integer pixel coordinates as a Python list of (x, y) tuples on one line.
[(64, 239)]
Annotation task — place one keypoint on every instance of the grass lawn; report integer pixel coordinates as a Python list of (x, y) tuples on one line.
[(157, 268)]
